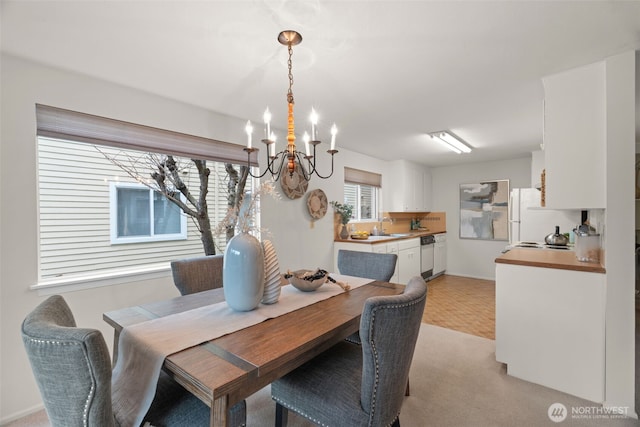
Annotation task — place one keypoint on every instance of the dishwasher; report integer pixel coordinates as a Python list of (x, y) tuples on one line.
[(426, 256)]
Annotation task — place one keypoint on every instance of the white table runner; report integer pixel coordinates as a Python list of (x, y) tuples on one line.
[(143, 347)]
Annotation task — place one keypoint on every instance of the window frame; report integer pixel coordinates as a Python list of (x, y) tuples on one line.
[(113, 217), (54, 123)]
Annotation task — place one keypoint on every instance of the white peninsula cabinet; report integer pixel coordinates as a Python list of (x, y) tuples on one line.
[(550, 320)]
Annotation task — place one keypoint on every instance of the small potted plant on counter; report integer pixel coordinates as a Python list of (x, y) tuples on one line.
[(345, 211)]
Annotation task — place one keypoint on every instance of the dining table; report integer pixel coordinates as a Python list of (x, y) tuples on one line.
[(227, 369)]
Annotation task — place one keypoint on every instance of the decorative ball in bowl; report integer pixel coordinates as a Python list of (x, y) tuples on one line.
[(306, 280)]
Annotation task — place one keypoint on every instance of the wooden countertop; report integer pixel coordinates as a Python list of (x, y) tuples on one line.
[(372, 240), (563, 260)]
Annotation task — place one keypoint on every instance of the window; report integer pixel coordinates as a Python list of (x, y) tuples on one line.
[(364, 199), (95, 219), (89, 207), (361, 190), (139, 214)]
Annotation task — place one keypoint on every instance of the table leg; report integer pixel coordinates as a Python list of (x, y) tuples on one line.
[(219, 412)]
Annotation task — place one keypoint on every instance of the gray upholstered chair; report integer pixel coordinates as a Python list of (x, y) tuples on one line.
[(72, 367), (197, 274), (370, 265), (359, 385)]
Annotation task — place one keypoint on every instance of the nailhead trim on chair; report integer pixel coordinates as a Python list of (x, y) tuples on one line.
[(375, 390), (85, 412), (297, 411), (375, 352)]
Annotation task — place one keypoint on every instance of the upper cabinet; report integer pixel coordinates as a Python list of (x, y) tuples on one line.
[(407, 187), (575, 138)]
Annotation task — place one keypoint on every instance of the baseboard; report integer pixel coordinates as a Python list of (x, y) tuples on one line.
[(450, 273), (21, 414)]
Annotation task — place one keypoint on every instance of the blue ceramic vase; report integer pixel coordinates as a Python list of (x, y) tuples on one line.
[(243, 272)]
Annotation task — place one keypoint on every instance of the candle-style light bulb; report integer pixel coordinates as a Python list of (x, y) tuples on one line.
[(267, 123), (334, 131), (306, 139), (314, 123), (249, 129)]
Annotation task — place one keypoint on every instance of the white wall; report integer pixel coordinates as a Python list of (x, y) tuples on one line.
[(299, 241), (465, 257), (537, 166), (26, 83), (620, 220)]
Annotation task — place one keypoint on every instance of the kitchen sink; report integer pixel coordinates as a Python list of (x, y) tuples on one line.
[(389, 236), (383, 237)]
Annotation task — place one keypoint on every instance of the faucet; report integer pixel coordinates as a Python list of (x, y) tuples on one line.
[(383, 219)]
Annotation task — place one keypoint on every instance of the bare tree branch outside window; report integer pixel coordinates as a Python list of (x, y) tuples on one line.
[(165, 174)]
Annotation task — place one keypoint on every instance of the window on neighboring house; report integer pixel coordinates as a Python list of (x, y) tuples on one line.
[(361, 190), (96, 220), (139, 214)]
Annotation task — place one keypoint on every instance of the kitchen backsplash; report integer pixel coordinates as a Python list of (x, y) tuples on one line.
[(435, 222)]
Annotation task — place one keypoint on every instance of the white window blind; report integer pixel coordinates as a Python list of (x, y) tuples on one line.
[(71, 125)]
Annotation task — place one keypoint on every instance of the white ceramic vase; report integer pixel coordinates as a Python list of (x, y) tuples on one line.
[(243, 272), (271, 274)]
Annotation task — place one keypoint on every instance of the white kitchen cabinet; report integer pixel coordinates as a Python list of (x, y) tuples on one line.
[(407, 250), (409, 187), (440, 254), (408, 259), (575, 138), (390, 248), (550, 327)]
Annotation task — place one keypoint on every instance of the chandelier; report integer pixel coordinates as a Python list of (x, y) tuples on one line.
[(294, 158)]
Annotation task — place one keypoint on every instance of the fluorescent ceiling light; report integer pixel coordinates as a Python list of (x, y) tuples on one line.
[(453, 143)]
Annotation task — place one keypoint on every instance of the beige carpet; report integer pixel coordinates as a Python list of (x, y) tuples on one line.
[(455, 381)]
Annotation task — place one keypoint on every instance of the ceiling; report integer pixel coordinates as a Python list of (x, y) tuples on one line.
[(386, 72)]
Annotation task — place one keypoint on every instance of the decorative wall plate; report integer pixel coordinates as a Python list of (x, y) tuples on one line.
[(294, 186), (317, 203)]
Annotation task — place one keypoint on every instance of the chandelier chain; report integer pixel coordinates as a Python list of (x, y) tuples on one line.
[(289, 65)]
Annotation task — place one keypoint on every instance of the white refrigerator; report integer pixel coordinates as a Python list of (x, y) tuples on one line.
[(529, 222)]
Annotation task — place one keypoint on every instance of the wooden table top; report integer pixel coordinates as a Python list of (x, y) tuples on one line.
[(236, 365), (564, 260)]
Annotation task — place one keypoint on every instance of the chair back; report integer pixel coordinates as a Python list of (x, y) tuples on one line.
[(71, 365), (198, 274), (389, 329), (370, 265)]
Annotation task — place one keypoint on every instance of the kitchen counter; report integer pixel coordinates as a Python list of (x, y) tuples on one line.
[(563, 260), (389, 238)]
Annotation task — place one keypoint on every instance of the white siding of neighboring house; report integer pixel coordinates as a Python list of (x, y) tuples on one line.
[(74, 213)]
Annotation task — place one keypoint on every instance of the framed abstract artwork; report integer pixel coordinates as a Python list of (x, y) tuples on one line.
[(484, 208)]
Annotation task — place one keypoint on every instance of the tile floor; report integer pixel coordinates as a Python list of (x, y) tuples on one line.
[(462, 304)]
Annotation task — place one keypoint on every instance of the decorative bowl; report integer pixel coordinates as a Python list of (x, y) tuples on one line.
[(361, 235), (298, 281)]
